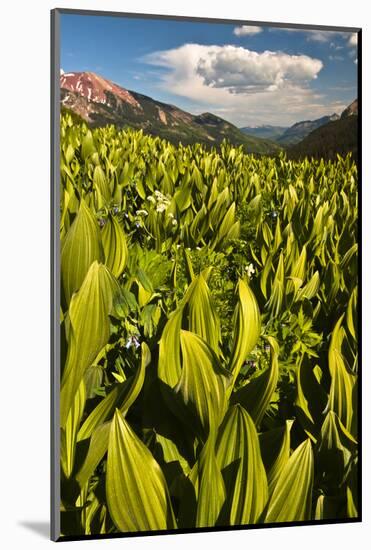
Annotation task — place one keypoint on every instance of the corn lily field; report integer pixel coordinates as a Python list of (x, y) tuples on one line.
[(208, 335)]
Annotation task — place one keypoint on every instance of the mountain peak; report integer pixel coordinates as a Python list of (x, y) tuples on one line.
[(351, 110), (94, 88)]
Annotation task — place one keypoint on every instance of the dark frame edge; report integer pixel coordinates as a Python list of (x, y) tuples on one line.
[(359, 236), (133, 15), (214, 529), (54, 276)]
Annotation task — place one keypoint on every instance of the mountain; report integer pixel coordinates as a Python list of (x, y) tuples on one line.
[(264, 131), (100, 102), (336, 137), (351, 110), (298, 131)]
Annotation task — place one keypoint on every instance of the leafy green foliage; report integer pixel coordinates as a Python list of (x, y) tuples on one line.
[(209, 326)]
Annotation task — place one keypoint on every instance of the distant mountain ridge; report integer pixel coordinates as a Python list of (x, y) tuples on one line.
[(265, 131), (100, 102), (336, 137), (286, 136), (301, 129)]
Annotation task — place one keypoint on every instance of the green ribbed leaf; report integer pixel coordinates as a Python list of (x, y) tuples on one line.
[(87, 145), (137, 494), (203, 382), (291, 499), (239, 459), (311, 399), (97, 449), (264, 275), (89, 328), (297, 273), (275, 449), (217, 213), (171, 453), (101, 186), (275, 301), (255, 396), (102, 411), (247, 326), (211, 488), (81, 247), (310, 289), (183, 197), (342, 379), (203, 319), (169, 365), (334, 451), (228, 228), (351, 315), (69, 438), (115, 246)]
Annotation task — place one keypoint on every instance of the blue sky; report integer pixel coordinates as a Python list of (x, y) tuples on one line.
[(246, 74)]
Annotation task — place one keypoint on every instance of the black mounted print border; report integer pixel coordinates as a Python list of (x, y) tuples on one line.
[(205, 280)]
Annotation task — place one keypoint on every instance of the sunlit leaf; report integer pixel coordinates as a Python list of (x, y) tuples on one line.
[(203, 381), (211, 487), (275, 449), (115, 246), (342, 379), (81, 247), (238, 457), (291, 499), (255, 396), (69, 439), (88, 331), (247, 326), (137, 494), (203, 319)]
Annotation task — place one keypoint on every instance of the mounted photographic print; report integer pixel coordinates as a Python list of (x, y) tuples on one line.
[(205, 278)]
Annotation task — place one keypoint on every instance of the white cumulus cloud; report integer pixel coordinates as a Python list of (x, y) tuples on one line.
[(246, 30), (244, 71), (242, 85)]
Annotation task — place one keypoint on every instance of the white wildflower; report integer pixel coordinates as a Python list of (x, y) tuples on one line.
[(132, 341), (250, 270), (174, 222)]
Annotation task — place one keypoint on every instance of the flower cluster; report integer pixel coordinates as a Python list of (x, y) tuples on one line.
[(160, 200), (250, 270)]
